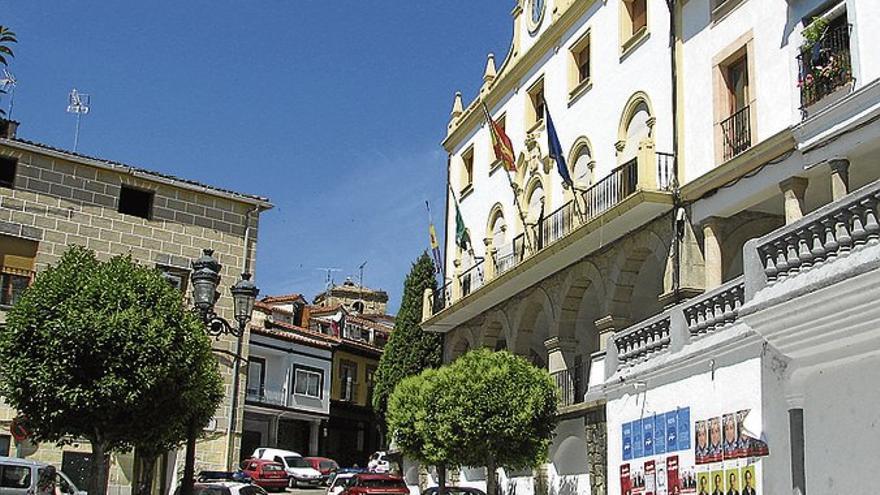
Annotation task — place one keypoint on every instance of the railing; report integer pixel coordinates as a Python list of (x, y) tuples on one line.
[(442, 297), (640, 342), (736, 133), (557, 225), (665, 170), (472, 278), (612, 189), (268, 397), (825, 65), (572, 384), (716, 309), (828, 233), (349, 391)]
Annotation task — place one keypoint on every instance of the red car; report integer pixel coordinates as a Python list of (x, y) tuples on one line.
[(324, 465), (376, 484), (266, 474)]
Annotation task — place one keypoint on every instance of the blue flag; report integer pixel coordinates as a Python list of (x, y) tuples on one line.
[(556, 151)]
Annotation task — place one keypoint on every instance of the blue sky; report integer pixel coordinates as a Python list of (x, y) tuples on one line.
[(333, 109)]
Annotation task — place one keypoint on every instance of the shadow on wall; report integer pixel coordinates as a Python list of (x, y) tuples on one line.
[(568, 485)]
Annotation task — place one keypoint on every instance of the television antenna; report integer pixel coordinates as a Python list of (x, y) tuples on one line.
[(7, 85), (329, 281), (361, 274), (78, 103)]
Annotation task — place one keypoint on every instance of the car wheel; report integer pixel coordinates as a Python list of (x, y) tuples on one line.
[(292, 483)]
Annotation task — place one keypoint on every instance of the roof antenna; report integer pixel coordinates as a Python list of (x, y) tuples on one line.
[(329, 281), (7, 85), (361, 275), (79, 104)]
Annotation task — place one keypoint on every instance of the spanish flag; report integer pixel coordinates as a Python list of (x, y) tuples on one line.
[(501, 143)]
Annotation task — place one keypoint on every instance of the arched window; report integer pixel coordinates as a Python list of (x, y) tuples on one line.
[(536, 202), (636, 129), (582, 168), (499, 228)]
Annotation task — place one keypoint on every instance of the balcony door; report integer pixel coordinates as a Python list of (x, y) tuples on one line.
[(256, 377)]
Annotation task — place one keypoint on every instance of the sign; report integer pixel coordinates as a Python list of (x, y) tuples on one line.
[(18, 430)]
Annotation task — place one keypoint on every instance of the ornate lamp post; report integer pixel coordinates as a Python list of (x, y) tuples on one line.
[(205, 281)]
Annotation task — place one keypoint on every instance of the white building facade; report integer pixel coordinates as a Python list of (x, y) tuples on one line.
[(685, 284)]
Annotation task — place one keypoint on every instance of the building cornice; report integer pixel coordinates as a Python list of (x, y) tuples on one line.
[(512, 70)]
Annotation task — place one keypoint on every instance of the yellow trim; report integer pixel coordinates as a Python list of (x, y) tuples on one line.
[(575, 85)]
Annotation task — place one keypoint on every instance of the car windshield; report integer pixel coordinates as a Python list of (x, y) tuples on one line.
[(272, 467), (381, 483), (297, 462), (328, 465)]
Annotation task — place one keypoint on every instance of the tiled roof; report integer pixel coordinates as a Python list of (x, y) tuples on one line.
[(125, 168), (268, 308), (297, 334), (283, 298)]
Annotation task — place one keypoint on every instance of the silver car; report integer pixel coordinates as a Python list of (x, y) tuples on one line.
[(20, 476)]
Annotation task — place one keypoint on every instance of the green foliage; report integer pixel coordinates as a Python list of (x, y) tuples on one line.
[(409, 416), (107, 351), (410, 349), (813, 33)]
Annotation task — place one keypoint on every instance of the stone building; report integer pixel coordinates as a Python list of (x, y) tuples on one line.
[(51, 199), (354, 297), (763, 129)]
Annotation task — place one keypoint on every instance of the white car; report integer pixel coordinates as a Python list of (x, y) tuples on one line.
[(299, 471), (340, 482), (224, 488), (379, 463)]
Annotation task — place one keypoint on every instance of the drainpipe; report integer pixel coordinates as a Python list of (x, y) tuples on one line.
[(677, 225)]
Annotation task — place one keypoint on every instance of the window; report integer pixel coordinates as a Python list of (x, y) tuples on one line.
[(16, 268), (135, 202), (633, 22), (348, 377), (580, 64), (175, 276), (733, 77), (12, 284), (535, 110), (371, 382), (256, 376), (582, 168), (15, 477), (467, 170), (8, 167), (307, 382)]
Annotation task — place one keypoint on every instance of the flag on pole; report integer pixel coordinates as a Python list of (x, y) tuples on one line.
[(556, 151), (462, 236), (435, 246), (501, 143)]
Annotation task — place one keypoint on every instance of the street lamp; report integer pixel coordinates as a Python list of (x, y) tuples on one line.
[(205, 280)]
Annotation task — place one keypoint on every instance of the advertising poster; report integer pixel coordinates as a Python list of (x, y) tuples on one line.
[(716, 449), (627, 442), (731, 442), (672, 479), (749, 481), (637, 480), (717, 482), (659, 434), (701, 446), (650, 478), (684, 428), (732, 482), (638, 446), (625, 481), (672, 431), (749, 446), (688, 479), (648, 436), (703, 486)]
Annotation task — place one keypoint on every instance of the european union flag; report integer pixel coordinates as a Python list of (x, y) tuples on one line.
[(556, 151)]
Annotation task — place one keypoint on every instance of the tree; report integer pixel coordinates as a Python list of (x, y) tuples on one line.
[(106, 351), (410, 349), (7, 37), (494, 409)]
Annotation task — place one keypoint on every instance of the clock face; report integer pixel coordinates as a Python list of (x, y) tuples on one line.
[(537, 10)]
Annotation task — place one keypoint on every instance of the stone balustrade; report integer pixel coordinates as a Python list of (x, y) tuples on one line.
[(715, 309), (639, 342)]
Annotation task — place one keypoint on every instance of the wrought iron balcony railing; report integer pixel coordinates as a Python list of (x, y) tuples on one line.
[(825, 65), (572, 384), (736, 132)]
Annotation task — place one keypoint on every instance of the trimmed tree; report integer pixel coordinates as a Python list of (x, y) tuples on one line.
[(494, 409), (410, 349), (106, 351)]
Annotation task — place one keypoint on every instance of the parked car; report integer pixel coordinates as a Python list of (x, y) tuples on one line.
[(454, 490), (20, 476), (299, 471), (325, 466), (375, 484), (267, 474), (339, 481), (239, 476), (224, 488), (379, 463)]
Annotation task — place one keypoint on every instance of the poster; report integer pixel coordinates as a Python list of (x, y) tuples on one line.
[(627, 442), (717, 482), (673, 482), (731, 442), (660, 434), (648, 436), (684, 428), (703, 483), (732, 481), (701, 446), (748, 480), (625, 481), (638, 446), (637, 480), (671, 420), (716, 449), (749, 446), (650, 478)]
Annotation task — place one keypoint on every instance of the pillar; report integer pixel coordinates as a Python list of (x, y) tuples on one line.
[(712, 252), (273, 431), (839, 178), (795, 403), (647, 164), (455, 286), (560, 353), (595, 434), (314, 431), (607, 326), (793, 190), (428, 303), (489, 267)]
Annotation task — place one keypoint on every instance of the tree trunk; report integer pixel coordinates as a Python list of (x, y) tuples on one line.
[(146, 468), (441, 479), (186, 487), (98, 467), (491, 477)]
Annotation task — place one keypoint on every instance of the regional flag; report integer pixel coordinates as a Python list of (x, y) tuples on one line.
[(435, 249), (462, 237), (500, 143), (556, 153)]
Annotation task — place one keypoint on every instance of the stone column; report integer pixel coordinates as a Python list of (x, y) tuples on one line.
[(607, 325), (839, 178), (489, 265), (647, 164), (428, 303), (596, 436), (793, 190), (560, 353), (712, 252), (314, 431), (455, 287)]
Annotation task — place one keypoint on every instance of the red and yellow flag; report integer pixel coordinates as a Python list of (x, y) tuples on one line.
[(501, 143)]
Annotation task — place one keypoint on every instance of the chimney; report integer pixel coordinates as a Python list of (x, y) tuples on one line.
[(8, 128)]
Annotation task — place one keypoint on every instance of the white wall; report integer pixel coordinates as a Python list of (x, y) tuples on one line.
[(281, 357)]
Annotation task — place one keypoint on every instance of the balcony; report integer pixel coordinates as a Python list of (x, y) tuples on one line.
[(572, 384), (631, 194), (266, 397), (825, 67)]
